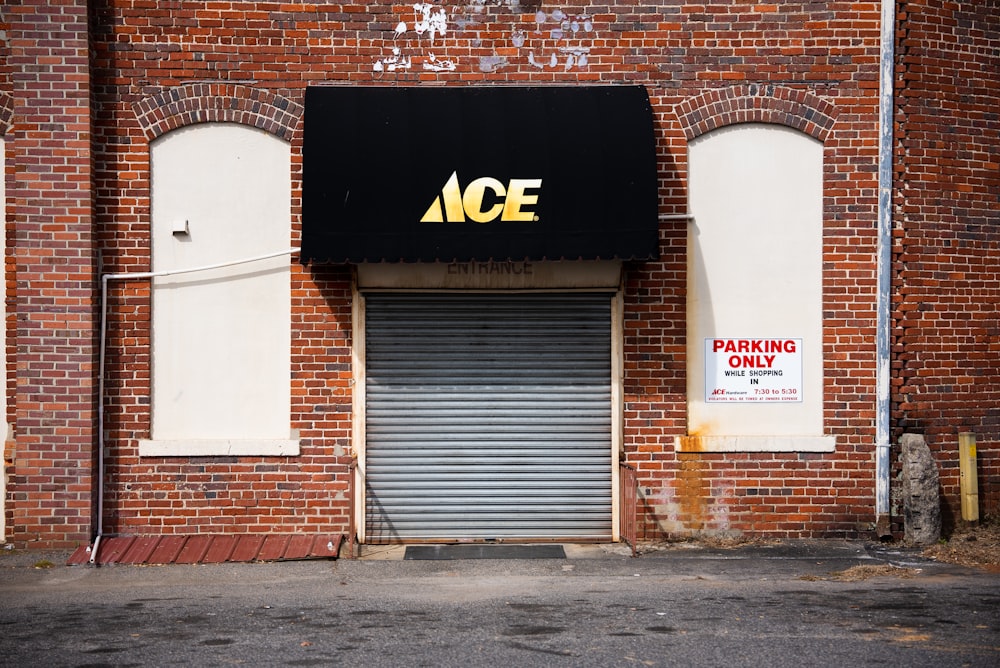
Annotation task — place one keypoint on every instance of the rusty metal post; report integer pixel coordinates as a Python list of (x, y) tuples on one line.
[(628, 503)]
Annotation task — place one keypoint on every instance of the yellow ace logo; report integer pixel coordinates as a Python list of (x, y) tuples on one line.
[(453, 206)]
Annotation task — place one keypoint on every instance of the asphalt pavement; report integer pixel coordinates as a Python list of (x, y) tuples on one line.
[(804, 603)]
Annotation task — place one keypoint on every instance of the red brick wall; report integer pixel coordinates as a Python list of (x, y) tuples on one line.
[(738, 55), (790, 494), (946, 362), (52, 481), (6, 115)]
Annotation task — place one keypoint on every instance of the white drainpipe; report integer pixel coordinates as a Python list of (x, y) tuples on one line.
[(884, 262), (105, 279)]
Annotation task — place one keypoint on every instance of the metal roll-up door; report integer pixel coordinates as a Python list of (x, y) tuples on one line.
[(488, 416)]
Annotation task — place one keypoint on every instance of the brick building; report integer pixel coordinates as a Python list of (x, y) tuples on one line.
[(446, 272)]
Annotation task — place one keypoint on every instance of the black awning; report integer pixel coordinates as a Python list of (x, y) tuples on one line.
[(474, 173)]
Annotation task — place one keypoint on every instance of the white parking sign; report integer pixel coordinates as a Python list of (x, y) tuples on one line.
[(749, 370)]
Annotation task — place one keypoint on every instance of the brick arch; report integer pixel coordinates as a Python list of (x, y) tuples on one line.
[(6, 112), (217, 102), (757, 103)]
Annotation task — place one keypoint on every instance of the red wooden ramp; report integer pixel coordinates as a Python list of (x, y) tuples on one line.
[(210, 548)]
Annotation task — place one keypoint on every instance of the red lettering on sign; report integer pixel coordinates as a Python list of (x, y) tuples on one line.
[(751, 361), (756, 346)]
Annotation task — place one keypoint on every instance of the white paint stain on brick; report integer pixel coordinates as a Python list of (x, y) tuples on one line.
[(554, 40), (573, 35), (429, 23)]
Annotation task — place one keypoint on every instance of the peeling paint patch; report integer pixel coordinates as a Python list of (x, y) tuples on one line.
[(435, 65), (569, 32), (392, 63), (723, 493), (492, 63), (554, 40), (427, 23)]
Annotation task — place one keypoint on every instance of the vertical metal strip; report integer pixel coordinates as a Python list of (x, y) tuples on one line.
[(617, 408), (358, 400)]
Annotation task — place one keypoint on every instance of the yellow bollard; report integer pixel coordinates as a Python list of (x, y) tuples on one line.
[(969, 483)]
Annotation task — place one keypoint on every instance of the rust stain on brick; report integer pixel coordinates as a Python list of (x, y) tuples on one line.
[(695, 440), (690, 444), (692, 490)]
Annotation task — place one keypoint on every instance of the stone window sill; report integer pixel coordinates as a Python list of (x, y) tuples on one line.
[(755, 443), (236, 447)]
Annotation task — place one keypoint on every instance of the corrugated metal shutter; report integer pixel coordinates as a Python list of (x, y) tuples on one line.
[(488, 416)]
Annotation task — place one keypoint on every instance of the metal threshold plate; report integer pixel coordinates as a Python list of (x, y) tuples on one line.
[(483, 551)]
